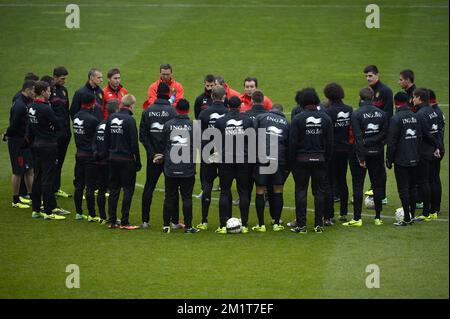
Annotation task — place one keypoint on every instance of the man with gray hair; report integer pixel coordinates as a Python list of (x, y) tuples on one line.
[(121, 142), (92, 86)]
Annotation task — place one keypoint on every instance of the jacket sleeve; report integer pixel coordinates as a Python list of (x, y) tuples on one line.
[(329, 136), (144, 132), (293, 137), (357, 135), (53, 120), (75, 106), (197, 105), (151, 94), (388, 101), (392, 140), (17, 113), (134, 142)]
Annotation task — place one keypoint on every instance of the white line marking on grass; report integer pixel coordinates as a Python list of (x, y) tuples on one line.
[(206, 5), (293, 208)]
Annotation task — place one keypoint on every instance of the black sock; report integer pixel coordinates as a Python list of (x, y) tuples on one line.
[(260, 204), (15, 199), (277, 206)]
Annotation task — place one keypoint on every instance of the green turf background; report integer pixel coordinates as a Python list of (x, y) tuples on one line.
[(286, 45)]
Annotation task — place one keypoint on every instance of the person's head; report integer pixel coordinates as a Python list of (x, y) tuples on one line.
[(432, 96), (218, 93), (257, 97), (60, 75), (219, 80), (42, 90), (28, 88), (31, 76), (114, 78), (163, 91), (406, 79), (112, 106), (366, 94), (309, 97), (401, 99), (48, 79), (209, 82), (95, 77), (277, 107), (372, 74), (234, 103), (250, 85), (421, 96), (88, 101), (165, 72), (128, 102), (298, 97), (182, 106), (334, 92)]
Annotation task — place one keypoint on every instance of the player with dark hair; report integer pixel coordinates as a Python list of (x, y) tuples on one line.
[(176, 89), (430, 151), (403, 150), (271, 124), (436, 185), (84, 127), (310, 147), (92, 86), (121, 141), (179, 175), (30, 76), (113, 90), (151, 135), (101, 162), (19, 153), (234, 162), (203, 101), (369, 126), (383, 99), (340, 115), (250, 86), (209, 170), (59, 101), (406, 81), (41, 132)]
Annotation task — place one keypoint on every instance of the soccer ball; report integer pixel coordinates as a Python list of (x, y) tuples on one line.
[(234, 225), (368, 201), (399, 214)]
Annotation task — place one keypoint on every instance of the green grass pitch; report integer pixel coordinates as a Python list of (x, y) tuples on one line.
[(287, 45)]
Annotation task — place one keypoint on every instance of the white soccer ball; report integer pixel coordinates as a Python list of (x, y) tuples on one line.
[(234, 225), (399, 214), (368, 201)]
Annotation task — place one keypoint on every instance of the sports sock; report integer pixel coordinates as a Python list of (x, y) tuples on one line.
[(15, 199), (277, 206), (260, 204)]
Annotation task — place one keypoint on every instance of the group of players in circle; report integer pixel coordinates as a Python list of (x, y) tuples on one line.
[(320, 142)]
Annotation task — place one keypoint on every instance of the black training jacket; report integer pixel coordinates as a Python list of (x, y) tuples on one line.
[(121, 137), (209, 117), (370, 127), (84, 127), (233, 128), (441, 126), (275, 124), (59, 101), (87, 89), (43, 124), (340, 115), (178, 133), (383, 99), (202, 102), (18, 117), (98, 144), (404, 138), (311, 137), (256, 110), (429, 121), (151, 132)]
